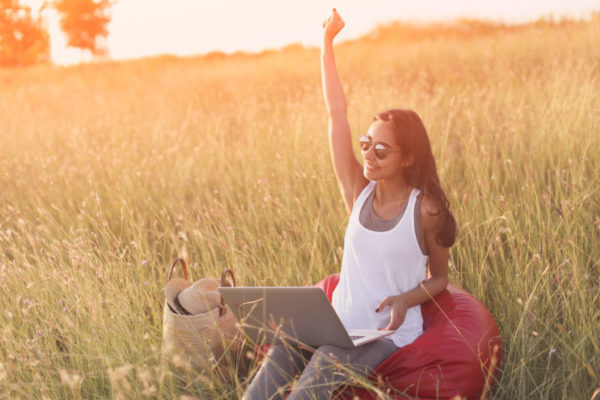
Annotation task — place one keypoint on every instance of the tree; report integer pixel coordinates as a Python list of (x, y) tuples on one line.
[(84, 22), (23, 39)]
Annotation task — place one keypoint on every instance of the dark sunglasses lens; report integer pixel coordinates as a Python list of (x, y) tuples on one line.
[(365, 144), (381, 153)]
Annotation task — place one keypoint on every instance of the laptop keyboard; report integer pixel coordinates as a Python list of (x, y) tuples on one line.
[(356, 337)]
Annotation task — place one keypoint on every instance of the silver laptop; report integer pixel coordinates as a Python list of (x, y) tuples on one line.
[(303, 314)]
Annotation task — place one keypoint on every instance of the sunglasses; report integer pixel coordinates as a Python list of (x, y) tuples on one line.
[(381, 151)]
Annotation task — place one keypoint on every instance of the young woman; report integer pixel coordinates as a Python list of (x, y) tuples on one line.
[(399, 222)]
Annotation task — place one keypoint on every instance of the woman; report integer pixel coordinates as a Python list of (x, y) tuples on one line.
[(399, 221)]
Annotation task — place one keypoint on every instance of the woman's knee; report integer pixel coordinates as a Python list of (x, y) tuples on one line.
[(331, 354), (276, 350), (286, 355)]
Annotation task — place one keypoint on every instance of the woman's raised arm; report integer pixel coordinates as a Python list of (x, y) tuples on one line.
[(347, 168)]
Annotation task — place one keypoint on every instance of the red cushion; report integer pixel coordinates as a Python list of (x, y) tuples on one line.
[(458, 353)]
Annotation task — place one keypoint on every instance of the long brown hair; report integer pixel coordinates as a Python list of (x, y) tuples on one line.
[(422, 173)]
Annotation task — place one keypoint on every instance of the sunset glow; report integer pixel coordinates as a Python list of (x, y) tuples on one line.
[(227, 135), (144, 28)]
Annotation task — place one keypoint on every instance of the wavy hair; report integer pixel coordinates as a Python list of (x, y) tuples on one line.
[(422, 173)]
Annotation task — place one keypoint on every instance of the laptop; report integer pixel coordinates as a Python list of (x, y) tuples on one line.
[(301, 314)]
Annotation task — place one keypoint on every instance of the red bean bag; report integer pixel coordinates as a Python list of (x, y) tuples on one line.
[(458, 353)]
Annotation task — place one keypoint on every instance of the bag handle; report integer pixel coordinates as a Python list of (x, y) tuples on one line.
[(183, 268), (225, 283)]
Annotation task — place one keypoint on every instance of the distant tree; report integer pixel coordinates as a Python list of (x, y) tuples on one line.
[(84, 22), (23, 39)]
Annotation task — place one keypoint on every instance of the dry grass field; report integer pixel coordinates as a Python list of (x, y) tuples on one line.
[(109, 171)]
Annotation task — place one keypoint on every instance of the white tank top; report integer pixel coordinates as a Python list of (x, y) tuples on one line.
[(376, 265)]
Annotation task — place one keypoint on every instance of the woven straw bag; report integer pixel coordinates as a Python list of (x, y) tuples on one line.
[(201, 337)]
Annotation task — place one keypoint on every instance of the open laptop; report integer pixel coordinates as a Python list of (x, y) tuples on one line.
[(303, 314)]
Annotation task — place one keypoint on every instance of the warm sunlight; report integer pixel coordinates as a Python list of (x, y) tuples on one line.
[(252, 199), (141, 28)]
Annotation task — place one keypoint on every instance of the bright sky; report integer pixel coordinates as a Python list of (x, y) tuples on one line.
[(182, 27)]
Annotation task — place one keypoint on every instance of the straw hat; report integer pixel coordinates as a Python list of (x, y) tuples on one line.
[(196, 298)]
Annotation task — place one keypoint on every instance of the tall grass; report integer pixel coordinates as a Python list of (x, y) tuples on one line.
[(110, 171)]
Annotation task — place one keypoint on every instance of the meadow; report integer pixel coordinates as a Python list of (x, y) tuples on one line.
[(109, 171)]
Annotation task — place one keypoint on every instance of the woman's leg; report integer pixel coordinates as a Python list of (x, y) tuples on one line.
[(323, 374), (280, 367)]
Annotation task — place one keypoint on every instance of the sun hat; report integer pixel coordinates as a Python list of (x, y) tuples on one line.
[(192, 299)]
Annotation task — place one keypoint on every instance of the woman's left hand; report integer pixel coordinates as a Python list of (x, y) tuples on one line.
[(399, 307)]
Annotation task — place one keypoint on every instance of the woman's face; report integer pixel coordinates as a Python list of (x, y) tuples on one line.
[(382, 137)]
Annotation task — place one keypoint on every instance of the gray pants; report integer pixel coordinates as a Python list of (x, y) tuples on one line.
[(322, 371)]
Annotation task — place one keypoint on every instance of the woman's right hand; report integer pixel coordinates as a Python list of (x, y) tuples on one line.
[(333, 25)]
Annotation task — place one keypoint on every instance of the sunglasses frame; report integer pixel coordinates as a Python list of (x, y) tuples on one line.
[(380, 153)]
